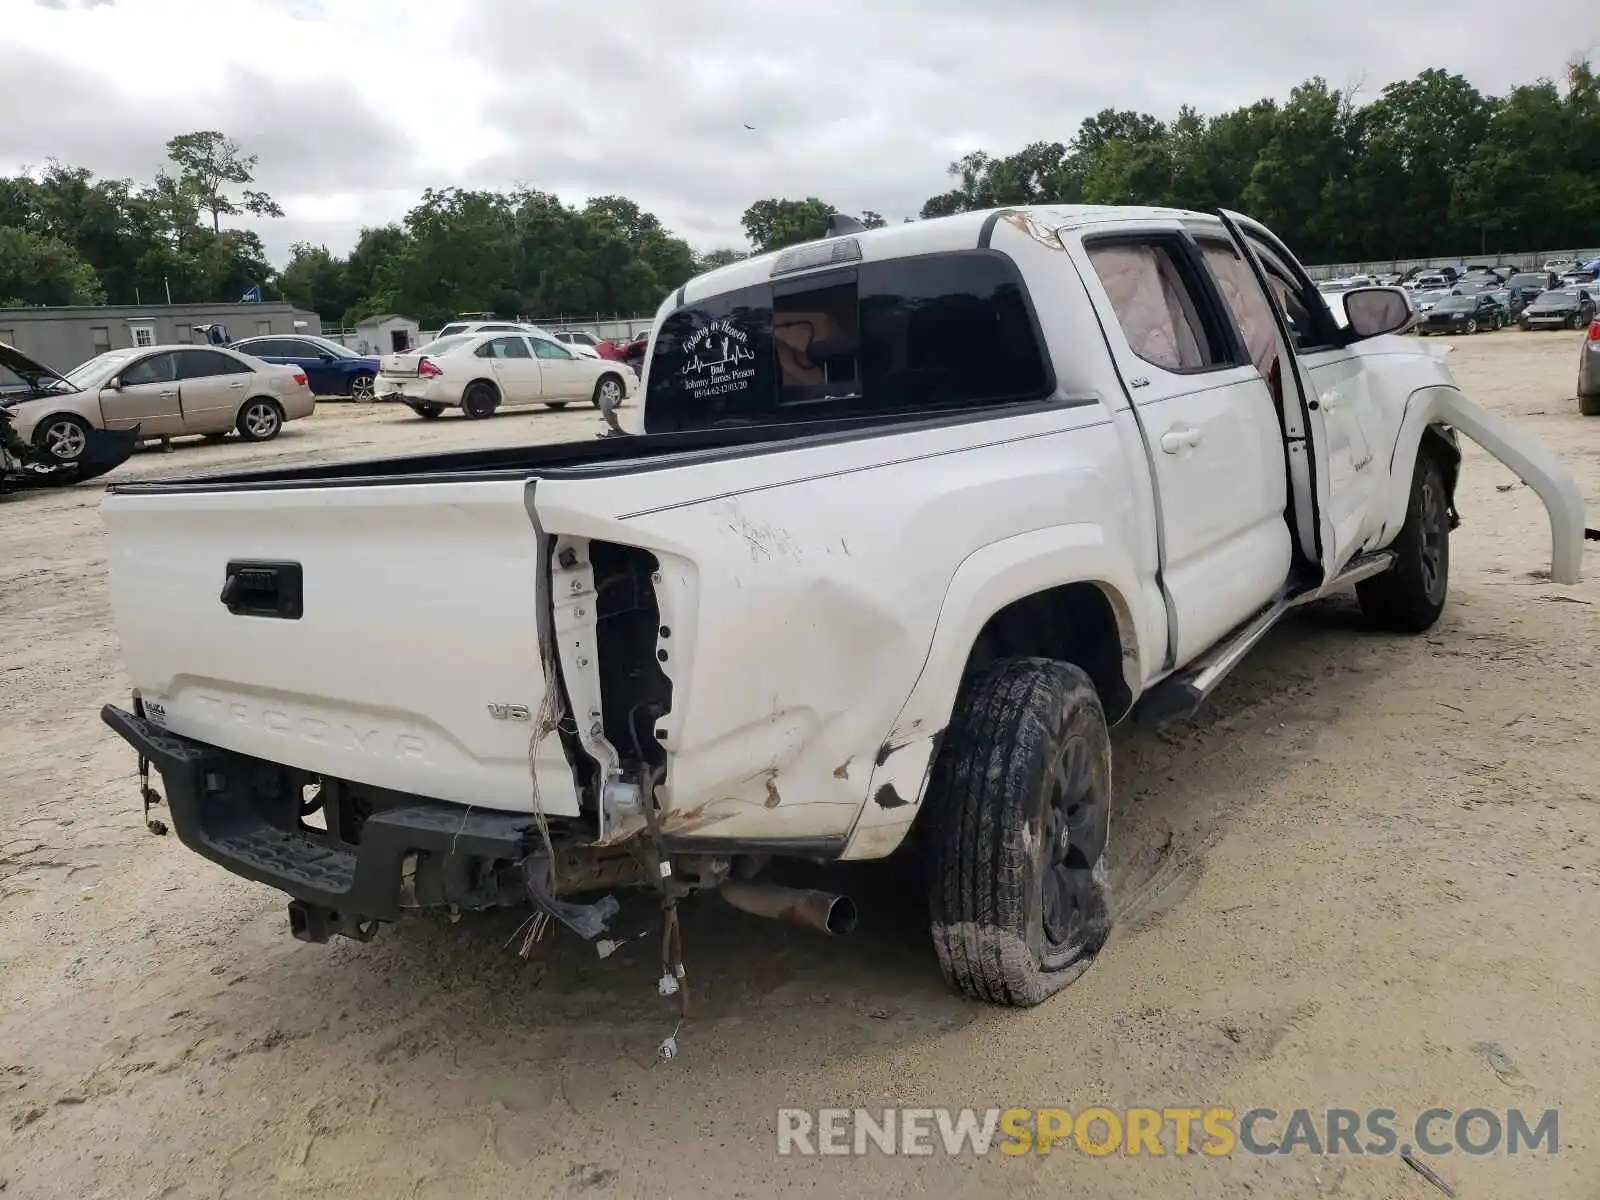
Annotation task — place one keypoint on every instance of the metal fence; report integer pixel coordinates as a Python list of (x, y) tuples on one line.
[(601, 326), (625, 328), (1531, 260)]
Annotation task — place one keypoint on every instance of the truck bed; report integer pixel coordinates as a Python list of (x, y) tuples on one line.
[(389, 622), (592, 457)]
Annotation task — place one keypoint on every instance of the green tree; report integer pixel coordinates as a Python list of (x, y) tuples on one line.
[(38, 269), (774, 224), (460, 255), (207, 161), (317, 280), (712, 259)]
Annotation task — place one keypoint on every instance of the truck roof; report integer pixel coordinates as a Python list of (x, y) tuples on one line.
[(963, 231)]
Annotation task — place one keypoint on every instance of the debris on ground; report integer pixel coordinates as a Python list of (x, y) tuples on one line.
[(1427, 1172)]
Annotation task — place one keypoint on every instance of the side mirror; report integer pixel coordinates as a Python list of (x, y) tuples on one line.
[(115, 383), (1372, 311)]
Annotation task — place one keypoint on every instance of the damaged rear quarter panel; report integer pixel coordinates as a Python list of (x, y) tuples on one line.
[(807, 589)]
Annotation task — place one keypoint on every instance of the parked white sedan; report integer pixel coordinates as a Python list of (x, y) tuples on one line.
[(480, 373)]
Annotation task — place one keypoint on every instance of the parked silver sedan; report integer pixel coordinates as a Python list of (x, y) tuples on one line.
[(166, 391)]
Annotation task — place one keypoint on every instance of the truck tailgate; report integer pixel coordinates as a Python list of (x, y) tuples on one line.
[(414, 663)]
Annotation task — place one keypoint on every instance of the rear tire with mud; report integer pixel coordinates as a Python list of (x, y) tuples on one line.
[(1018, 817)]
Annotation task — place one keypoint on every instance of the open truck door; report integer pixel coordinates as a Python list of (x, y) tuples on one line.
[(1334, 465)]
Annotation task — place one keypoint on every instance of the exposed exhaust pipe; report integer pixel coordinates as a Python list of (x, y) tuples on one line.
[(823, 911)]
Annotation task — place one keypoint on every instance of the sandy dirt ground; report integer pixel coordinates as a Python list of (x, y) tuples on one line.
[(1366, 876)]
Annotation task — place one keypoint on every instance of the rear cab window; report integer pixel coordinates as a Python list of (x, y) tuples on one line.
[(918, 335)]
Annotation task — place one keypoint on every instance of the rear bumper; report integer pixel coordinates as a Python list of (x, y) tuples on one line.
[(407, 391), (244, 814)]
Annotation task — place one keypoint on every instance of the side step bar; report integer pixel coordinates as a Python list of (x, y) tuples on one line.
[(1180, 695)]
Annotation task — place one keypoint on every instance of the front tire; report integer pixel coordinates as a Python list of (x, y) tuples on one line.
[(1019, 813), (1589, 405), (260, 420), (1410, 596), (1472, 326), (480, 401), (61, 440)]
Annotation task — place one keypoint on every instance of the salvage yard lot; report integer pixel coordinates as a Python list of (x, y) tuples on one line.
[(1366, 876)]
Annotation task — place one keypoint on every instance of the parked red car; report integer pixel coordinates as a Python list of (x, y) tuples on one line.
[(633, 352)]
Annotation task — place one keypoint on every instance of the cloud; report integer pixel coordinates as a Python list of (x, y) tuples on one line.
[(355, 106)]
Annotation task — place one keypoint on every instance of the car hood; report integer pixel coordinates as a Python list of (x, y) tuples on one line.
[(35, 374)]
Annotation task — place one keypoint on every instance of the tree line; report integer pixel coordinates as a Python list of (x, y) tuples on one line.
[(1429, 166)]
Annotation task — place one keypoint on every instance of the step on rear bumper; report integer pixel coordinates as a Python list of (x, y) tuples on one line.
[(241, 813)]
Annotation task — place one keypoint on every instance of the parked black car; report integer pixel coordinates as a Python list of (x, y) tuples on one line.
[(1464, 314), (1525, 285), (1559, 308)]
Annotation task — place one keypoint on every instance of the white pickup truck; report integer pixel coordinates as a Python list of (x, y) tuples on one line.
[(907, 519)]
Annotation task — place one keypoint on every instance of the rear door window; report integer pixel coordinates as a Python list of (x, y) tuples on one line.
[(203, 364), (910, 335), (1157, 313)]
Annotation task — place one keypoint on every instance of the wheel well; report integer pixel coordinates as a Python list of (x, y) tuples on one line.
[(1446, 453), (42, 422), (1076, 623), (488, 383)]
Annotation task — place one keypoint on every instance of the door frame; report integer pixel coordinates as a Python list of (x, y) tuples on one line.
[(1303, 440)]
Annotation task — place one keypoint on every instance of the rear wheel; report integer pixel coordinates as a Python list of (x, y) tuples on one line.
[(1410, 596), (1589, 404), (61, 439), (260, 420), (607, 393), (1019, 813), (480, 401), (361, 389)]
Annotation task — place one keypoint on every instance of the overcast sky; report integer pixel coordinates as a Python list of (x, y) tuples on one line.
[(355, 106)]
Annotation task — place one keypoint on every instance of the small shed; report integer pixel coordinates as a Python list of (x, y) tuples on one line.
[(387, 333)]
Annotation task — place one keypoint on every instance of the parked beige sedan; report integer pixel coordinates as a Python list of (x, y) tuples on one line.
[(166, 391)]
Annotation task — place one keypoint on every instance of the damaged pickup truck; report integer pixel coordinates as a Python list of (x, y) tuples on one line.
[(907, 520)]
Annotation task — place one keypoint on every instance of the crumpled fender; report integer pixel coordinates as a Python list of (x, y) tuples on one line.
[(1531, 462)]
